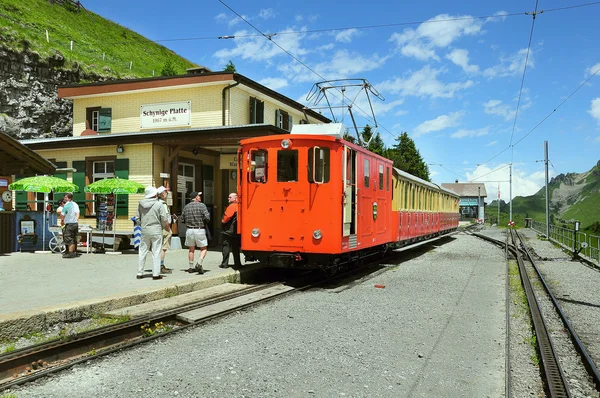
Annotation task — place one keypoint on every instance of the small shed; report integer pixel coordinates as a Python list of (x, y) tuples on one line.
[(472, 198), (15, 159)]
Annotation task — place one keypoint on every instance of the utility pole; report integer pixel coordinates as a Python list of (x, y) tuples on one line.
[(479, 202), (510, 193), (547, 198)]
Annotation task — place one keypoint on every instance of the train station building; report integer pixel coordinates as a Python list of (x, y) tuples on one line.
[(181, 132), (472, 199)]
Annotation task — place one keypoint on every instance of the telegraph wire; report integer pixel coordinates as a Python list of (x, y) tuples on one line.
[(361, 27), (535, 12), (559, 105), (270, 38)]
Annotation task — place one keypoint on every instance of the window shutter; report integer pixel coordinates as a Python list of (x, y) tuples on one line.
[(104, 122), (79, 180), (122, 171), (289, 126), (260, 111), (277, 118), (252, 110)]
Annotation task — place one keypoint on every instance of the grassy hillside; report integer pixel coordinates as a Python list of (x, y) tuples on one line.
[(99, 46), (582, 207)]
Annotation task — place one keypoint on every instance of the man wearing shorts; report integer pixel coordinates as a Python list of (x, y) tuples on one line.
[(166, 235), (70, 214), (195, 216)]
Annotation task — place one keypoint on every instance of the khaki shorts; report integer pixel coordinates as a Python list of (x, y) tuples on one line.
[(166, 240), (196, 237)]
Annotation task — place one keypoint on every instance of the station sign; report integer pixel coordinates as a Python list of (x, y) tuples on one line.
[(170, 114), (229, 161)]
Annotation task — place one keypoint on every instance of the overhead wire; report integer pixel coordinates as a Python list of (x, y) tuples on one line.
[(270, 38), (376, 26)]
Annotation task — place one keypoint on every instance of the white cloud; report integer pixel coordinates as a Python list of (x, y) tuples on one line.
[(492, 143), (258, 48), (496, 107), (267, 13), (461, 58), (438, 32), (439, 123), (524, 182), (511, 65), (463, 133), (346, 36), (500, 16), (595, 109), (274, 83), (222, 17), (592, 69), (424, 83)]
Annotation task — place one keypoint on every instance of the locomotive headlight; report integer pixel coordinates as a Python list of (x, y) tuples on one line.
[(255, 232), (317, 234), (286, 144)]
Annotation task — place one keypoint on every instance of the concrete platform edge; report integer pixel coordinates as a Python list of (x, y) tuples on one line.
[(22, 323)]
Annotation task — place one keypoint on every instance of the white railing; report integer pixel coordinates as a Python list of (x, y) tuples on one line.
[(572, 240)]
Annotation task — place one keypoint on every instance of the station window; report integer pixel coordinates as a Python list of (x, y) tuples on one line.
[(258, 166), (318, 165), (367, 172), (287, 165)]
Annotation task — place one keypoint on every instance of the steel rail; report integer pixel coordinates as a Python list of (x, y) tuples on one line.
[(585, 356), (74, 349), (555, 377)]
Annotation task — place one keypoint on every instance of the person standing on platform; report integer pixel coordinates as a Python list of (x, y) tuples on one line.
[(231, 239), (166, 234), (152, 217), (196, 216), (70, 216)]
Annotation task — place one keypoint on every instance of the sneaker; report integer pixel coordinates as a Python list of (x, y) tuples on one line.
[(199, 269), (70, 255), (155, 278), (139, 276), (190, 270), (224, 266), (164, 270)]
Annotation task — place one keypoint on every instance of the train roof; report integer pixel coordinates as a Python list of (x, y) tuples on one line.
[(423, 182)]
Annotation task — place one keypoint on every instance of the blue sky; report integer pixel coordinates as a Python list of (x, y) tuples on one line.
[(451, 73)]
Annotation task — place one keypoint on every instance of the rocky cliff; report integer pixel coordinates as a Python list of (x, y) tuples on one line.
[(29, 103)]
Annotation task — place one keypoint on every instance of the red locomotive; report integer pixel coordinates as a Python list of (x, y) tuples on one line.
[(313, 200)]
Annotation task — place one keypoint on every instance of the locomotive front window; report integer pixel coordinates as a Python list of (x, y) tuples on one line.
[(258, 166), (318, 165), (287, 165)]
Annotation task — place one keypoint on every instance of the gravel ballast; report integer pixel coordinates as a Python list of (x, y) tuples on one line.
[(437, 329)]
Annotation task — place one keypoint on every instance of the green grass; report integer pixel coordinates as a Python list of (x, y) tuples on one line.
[(100, 46)]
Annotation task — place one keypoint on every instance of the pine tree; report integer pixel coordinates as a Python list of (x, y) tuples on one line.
[(230, 67), (406, 157)]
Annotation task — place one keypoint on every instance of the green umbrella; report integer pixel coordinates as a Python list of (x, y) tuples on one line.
[(114, 186), (45, 184)]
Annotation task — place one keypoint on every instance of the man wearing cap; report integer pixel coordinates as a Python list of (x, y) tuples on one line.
[(166, 234), (152, 217), (195, 216)]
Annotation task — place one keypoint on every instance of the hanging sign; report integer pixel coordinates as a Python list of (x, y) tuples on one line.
[(229, 161), (171, 114)]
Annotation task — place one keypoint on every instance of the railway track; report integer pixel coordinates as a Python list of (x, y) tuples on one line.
[(555, 380), (28, 364), (31, 363)]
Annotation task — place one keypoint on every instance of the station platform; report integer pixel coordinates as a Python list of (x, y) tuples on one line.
[(38, 290)]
